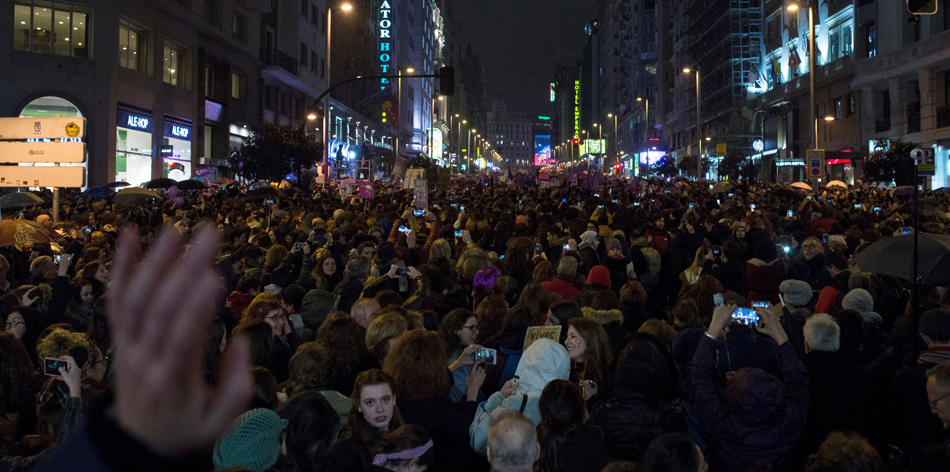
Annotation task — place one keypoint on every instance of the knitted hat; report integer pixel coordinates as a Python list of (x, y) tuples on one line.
[(613, 243), (859, 300), (599, 275), (796, 292), (588, 236), (253, 441)]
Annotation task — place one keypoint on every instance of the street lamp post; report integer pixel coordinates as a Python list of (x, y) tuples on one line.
[(399, 104), (616, 132), (326, 103), (813, 114), (458, 145), (699, 138)]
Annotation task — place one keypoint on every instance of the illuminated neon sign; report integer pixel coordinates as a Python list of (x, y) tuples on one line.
[(385, 40), (577, 109), (552, 91)]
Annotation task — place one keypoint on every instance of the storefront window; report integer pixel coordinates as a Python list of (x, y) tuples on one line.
[(176, 150), (133, 148), (51, 28)]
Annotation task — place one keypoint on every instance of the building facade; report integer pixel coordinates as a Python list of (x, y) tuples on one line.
[(166, 87), (511, 136)]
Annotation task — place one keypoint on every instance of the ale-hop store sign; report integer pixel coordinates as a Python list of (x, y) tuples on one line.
[(385, 40)]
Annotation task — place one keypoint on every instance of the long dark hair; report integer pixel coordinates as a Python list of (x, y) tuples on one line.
[(357, 430), (452, 323), (34, 327), (671, 452), (212, 354), (312, 430), (562, 411), (15, 368)]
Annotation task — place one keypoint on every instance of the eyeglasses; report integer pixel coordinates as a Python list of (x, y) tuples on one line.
[(13, 324), (471, 327), (933, 404), (277, 317), (811, 246)]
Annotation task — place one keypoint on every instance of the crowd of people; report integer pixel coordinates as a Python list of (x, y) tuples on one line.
[(311, 330)]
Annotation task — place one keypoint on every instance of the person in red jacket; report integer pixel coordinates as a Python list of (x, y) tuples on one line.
[(247, 288), (563, 282)]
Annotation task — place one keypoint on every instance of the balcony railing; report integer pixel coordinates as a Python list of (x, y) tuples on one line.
[(275, 57)]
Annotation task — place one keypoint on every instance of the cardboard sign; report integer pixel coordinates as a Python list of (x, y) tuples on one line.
[(537, 332), (421, 188)]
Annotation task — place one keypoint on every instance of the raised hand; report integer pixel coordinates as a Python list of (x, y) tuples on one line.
[(159, 310)]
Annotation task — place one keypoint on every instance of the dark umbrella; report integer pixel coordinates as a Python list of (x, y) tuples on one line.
[(787, 194), (904, 191), (27, 232), (98, 192), (19, 200), (162, 182), (895, 256), (117, 184), (191, 185)]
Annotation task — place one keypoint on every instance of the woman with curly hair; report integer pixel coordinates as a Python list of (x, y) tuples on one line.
[(491, 314), (417, 364), (345, 343), (567, 444)]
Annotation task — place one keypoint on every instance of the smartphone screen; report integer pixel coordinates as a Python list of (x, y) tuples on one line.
[(905, 230), (690, 206), (752, 206), (403, 229), (824, 238), (57, 258), (51, 366), (857, 206), (418, 212), (746, 316), (486, 356), (877, 208), (790, 213), (458, 234), (567, 247), (761, 305)]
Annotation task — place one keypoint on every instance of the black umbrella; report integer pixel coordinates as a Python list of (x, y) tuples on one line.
[(19, 200), (787, 194), (191, 185), (117, 184), (162, 182), (895, 256)]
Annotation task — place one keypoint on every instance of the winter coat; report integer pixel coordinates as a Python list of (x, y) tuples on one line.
[(811, 271), (833, 293), (757, 418), (763, 279), (590, 257), (612, 322), (583, 451), (543, 361), (349, 291), (618, 272), (731, 274), (913, 423), (841, 399), (562, 286), (449, 428), (643, 403)]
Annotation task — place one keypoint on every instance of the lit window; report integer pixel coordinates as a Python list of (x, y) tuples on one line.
[(51, 28)]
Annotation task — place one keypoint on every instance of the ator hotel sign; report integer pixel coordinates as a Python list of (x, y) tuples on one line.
[(385, 41)]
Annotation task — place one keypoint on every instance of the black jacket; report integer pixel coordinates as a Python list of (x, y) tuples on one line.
[(349, 291), (448, 426), (841, 400), (731, 274), (630, 422), (584, 451)]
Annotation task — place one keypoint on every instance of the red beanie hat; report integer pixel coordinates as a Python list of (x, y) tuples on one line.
[(599, 275)]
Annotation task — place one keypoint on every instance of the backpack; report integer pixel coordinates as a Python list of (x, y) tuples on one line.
[(652, 275)]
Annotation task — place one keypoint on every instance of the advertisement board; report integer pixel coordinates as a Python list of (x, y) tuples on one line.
[(542, 149)]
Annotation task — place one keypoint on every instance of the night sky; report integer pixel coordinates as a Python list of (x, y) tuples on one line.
[(519, 43)]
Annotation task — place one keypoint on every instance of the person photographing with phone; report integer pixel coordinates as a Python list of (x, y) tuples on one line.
[(758, 418)]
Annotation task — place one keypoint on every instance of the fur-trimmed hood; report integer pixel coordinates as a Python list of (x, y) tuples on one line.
[(602, 316)]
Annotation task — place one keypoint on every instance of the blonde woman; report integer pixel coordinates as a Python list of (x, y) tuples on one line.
[(689, 276)]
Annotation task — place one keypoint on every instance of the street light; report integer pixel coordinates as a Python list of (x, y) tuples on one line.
[(699, 156), (326, 103), (616, 132), (399, 104), (794, 7)]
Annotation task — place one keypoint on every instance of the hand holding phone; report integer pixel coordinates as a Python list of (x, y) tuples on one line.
[(486, 356), (745, 316)]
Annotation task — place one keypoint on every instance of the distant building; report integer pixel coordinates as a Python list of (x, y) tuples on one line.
[(510, 135)]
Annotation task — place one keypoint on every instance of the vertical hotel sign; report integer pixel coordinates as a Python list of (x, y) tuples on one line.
[(577, 109), (385, 41)]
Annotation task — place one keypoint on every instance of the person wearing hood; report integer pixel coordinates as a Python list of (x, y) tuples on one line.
[(764, 272), (643, 402), (757, 418), (314, 310), (588, 249), (544, 360), (618, 264)]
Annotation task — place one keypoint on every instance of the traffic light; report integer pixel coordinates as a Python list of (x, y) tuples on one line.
[(384, 117), (922, 7), (577, 142), (447, 81)]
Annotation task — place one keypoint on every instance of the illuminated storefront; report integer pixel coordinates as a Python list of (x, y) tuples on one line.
[(176, 149), (133, 147)]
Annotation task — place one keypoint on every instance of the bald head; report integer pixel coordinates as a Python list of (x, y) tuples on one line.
[(512, 443)]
